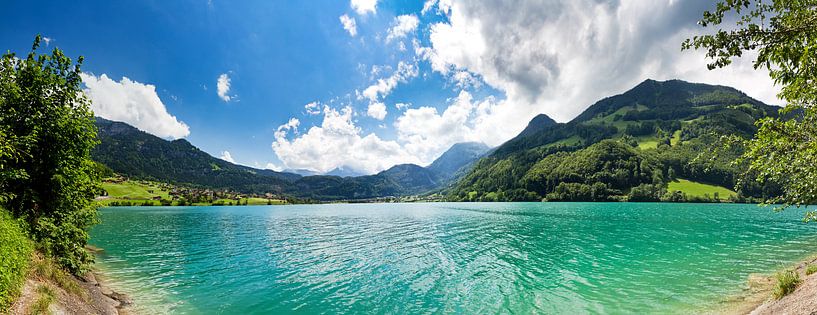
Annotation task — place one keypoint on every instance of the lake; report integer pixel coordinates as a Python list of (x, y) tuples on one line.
[(470, 258)]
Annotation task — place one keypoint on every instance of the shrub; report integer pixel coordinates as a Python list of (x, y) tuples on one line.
[(811, 269), (46, 295), (15, 252), (46, 171), (787, 281)]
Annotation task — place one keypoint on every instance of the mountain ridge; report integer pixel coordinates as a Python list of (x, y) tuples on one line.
[(670, 122), (135, 153)]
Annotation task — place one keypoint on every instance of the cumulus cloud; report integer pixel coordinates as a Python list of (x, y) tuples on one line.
[(384, 86), (426, 133), (377, 110), (225, 155), (363, 7), (291, 125), (428, 5), (312, 108), (223, 87), (403, 25), (558, 57), (337, 142), (554, 57), (134, 103), (349, 24), (401, 106)]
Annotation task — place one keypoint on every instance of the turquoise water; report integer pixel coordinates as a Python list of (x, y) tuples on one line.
[(470, 258)]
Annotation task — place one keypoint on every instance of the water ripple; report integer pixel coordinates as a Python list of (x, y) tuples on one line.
[(443, 257)]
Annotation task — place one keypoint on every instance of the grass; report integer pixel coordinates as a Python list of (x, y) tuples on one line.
[(15, 252), (141, 193), (811, 269), (46, 295), (647, 142), (700, 190), (133, 190), (45, 269), (787, 281), (676, 138)]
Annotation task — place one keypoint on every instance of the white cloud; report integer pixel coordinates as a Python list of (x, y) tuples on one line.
[(225, 155), (291, 125), (349, 24), (558, 57), (464, 80), (402, 25), (338, 142), (377, 110), (312, 108), (384, 86), (364, 7), (274, 167), (223, 87), (134, 103), (47, 40), (401, 106), (426, 134), (427, 6), (554, 57)]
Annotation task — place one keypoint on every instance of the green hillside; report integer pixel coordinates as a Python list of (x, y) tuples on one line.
[(644, 138), (700, 190)]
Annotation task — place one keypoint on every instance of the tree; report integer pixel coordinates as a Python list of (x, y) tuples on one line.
[(783, 33), (46, 172)]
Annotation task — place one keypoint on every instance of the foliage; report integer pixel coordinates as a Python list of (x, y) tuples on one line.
[(810, 269), (15, 252), (49, 128), (646, 192), (45, 296), (787, 281), (45, 269), (783, 33)]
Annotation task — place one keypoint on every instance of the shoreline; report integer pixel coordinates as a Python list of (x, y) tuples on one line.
[(756, 297), (43, 291)]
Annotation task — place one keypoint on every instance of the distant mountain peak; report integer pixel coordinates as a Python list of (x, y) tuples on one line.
[(344, 171), (538, 123), (460, 155)]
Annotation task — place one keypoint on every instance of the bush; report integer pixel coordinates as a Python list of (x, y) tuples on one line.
[(15, 254), (811, 269), (46, 171), (787, 281)]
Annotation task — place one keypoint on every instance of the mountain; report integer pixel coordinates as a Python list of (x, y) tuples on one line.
[(537, 124), (302, 172), (642, 138), (458, 158), (132, 152), (399, 180), (344, 172)]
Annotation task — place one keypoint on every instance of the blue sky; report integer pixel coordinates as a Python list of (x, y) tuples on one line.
[(407, 81)]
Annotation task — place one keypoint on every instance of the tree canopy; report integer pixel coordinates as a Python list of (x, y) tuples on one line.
[(46, 136), (783, 35)]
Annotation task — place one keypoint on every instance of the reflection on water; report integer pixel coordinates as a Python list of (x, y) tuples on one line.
[(444, 257)]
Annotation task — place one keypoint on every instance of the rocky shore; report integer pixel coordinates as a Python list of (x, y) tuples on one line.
[(47, 291)]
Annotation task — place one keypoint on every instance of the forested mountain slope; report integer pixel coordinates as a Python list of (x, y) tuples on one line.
[(642, 139)]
